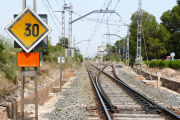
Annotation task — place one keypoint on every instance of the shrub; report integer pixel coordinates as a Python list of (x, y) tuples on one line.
[(2, 56), (124, 61), (164, 64), (131, 62), (9, 74)]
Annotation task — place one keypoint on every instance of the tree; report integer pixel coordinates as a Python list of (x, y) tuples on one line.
[(108, 48), (171, 20), (2, 56), (119, 45), (47, 51), (154, 34), (178, 2), (80, 57), (66, 42)]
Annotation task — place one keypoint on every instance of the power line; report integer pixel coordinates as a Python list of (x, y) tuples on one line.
[(114, 8), (64, 2), (108, 4), (53, 12), (95, 20), (51, 17), (58, 5), (95, 30), (108, 29)]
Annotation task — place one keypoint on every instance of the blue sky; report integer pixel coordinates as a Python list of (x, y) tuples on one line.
[(83, 29)]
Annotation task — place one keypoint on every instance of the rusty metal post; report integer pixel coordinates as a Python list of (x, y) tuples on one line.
[(23, 4), (22, 93), (60, 73), (29, 73), (22, 77), (34, 5), (36, 93)]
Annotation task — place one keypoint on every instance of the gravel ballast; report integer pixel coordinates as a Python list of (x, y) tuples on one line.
[(75, 100), (169, 99)]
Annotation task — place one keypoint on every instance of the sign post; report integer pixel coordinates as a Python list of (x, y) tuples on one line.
[(159, 75), (61, 59), (172, 55), (28, 30)]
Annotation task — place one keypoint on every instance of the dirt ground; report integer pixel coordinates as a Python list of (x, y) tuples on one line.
[(165, 72)]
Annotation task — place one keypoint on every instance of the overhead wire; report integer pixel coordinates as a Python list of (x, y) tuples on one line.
[(101, 21), (51, 17), (58, 5), (114, 8), (95, 20), (125, 20), (64, 2), (108, 29), (53, 12), (95, 30), (107, 23), (108, 4)]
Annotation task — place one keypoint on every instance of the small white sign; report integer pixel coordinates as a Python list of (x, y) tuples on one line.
[(158, 74), (63, 59), (173, 54)]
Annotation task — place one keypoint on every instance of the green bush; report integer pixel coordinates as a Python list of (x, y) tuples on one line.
[(124, 61), (164, 64), (131, 62), (80, 57), (7, 59), (2, 56), (9, 74)]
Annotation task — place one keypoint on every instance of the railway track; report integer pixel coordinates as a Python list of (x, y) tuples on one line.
[(120, 101)]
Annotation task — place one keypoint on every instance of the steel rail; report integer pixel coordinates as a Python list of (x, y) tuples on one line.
[(107, 115), (143, 97), (105, 98), (148, 100)]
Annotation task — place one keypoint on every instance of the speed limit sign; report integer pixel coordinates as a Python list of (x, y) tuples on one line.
[(28, 29)]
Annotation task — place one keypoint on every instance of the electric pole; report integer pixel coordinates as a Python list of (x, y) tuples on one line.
[(138, 57), (63, 29), (70, 30), (74, 42), (127, 47)]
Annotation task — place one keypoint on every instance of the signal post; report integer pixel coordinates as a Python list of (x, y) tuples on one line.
[(28, 31)]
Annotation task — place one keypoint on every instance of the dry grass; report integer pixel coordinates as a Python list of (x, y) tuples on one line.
[(45, 68), (7, 88)]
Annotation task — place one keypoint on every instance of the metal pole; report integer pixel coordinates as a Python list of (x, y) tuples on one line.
[(36, 76), (63, 45), (23, 4), (71, 24), (74, 42), (70, 30), (127, 48), (22, 77), (34, 5), (36, 93), (63, 29), (139, 33), (98, 56), (22, 93), (60, 73)]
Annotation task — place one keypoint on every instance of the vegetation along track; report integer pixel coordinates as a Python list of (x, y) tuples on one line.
[(121, 101)]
